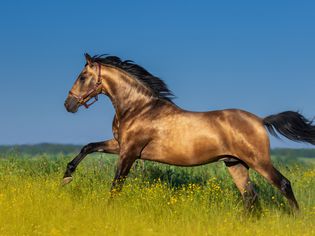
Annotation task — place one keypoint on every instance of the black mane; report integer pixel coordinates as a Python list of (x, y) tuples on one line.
[(157, 86)]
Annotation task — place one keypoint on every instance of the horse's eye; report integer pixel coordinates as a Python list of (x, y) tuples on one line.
[(82, 78)]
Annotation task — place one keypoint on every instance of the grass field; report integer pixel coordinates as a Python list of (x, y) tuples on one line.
[(156, 200)]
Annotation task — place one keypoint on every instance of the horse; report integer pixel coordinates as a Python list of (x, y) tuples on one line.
[(148, 125)]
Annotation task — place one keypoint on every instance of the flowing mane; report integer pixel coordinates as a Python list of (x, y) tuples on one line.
[(157, 86)]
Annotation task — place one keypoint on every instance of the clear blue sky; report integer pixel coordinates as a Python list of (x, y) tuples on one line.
[(254, 55)]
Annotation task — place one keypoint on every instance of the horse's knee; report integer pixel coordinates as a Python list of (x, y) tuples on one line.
[(87, 148)]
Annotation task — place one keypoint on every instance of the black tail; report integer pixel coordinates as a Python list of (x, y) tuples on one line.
[(291, 125)]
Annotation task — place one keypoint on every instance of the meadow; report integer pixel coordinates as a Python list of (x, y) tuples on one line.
[(156, 200)]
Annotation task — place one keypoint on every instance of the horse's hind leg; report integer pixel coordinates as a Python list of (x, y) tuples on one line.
[(277, 179), (240, 175)]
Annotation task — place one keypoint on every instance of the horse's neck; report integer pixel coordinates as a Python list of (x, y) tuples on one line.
[(125, 95)]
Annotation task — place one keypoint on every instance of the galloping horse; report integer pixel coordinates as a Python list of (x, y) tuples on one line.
[(149, 126)]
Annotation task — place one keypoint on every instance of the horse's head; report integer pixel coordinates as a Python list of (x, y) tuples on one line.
[(88, 85)]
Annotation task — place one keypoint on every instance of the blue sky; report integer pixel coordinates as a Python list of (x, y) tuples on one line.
[(254, 55)]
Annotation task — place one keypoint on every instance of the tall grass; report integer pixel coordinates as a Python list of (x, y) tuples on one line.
[(156, 200)]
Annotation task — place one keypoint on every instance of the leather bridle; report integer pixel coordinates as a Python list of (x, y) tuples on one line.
[(83, 99)]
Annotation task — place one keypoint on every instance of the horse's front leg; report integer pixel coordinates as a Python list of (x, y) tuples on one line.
[(123, 167), (109, 146)]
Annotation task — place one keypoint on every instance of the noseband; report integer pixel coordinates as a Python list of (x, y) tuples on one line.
[(83, 99)]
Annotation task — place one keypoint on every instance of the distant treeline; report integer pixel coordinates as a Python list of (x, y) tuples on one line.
[(37, 149), (290, 152), (66, 149)]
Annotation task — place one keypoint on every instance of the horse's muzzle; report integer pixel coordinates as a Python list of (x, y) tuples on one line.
[(72, 104)]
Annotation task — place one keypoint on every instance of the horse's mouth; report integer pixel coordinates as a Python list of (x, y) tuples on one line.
[(72, 110)]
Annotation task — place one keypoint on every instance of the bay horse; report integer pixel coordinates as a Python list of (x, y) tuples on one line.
[(149, 126)]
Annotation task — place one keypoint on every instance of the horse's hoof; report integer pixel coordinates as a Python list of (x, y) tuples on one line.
[(66, 180)]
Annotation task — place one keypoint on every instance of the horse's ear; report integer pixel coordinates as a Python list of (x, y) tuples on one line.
[(88, 59)]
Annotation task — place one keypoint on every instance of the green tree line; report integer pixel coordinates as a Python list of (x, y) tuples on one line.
[(49, 148)]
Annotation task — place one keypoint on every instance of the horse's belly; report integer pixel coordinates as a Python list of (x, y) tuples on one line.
[(184, 151)]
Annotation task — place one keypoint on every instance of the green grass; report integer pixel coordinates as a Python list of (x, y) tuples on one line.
[(156, 200)]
